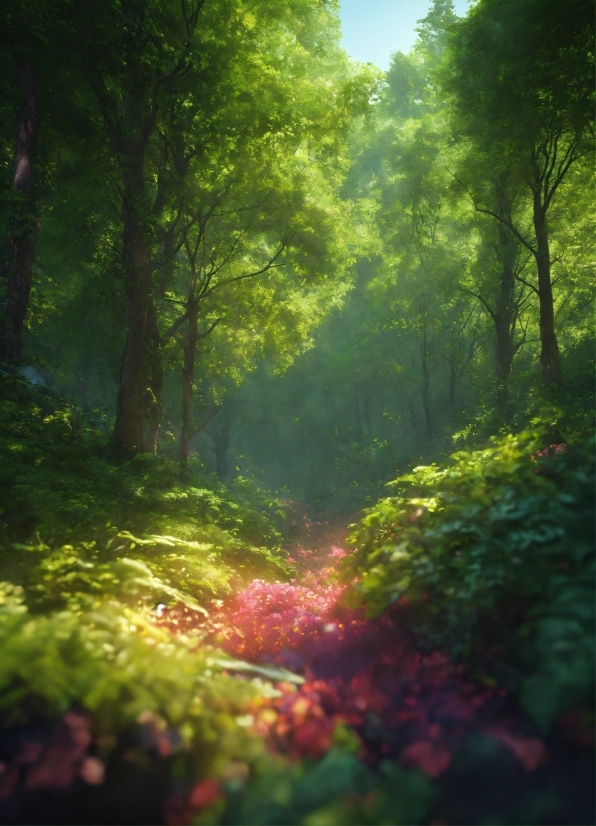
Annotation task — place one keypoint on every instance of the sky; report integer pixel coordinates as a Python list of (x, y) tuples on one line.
[(373, 29)]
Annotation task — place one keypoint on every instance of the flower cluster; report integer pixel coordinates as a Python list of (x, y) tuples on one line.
[(551, 450), (363, 673), (267, 618), (300, 722), (363, 676), (51, 759)]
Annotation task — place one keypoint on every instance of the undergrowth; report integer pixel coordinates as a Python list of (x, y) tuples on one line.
[(493, 555), (162, 660), (57, 480)]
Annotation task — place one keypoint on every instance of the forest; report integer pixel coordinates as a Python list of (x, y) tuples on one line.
[(296, 416)]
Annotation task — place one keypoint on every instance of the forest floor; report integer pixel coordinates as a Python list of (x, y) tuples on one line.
[(368, 685), (99, 717)]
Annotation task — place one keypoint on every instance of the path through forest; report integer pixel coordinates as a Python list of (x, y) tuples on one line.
[(367, 684)]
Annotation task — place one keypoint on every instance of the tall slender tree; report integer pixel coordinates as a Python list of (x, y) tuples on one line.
[(520, 74), (181, 70), (22, 42)]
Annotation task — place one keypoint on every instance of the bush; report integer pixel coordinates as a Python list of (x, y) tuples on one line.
[(494, 558), (105, 714), (56, 480), (97, 689)]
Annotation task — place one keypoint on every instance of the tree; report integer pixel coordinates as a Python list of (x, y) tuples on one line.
[(133, 55), (22, 41), (250, 245), (146, 63), (520, 76), (497, 280)]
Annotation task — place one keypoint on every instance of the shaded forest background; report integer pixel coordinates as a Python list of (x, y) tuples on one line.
[(317, 274)]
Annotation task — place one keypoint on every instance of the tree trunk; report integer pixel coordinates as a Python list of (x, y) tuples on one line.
[(425, 389), (505, 354), (550, 360), (410, 402), (128, 436), (505, 347), (222, 437), (154, 413), (22, 238), (188, 371), (505, 310), (452, 383)]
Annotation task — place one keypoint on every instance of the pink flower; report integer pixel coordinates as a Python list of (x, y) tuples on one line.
[(529, 751), (204, 794), (93, 771), (432, 758)]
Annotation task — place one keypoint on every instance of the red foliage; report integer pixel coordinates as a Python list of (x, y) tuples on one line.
[(432, 758), (204, 794), (301, 722), (179, 809), (266, 617), (42, 762), (551, 450), (402, 704), (529, 751)]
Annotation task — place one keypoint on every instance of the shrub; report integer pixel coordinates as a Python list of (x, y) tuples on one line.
[(56, 479), (493, 553)]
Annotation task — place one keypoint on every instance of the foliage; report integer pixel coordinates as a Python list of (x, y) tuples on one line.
[(56, 481), (275, 264), (441, 333), (155, 699), (374, 693), (93, 681), (495, 550), (336, 790), (268, 618)]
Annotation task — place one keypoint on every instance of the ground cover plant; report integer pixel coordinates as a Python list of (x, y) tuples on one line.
[(296, 416), (321, 698), (495, 550), (503, 677)]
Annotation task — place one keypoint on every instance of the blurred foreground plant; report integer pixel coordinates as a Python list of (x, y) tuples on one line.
[(494, 557)]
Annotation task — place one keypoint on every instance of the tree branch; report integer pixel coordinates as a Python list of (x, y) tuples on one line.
[(173, 328), (487, 306), (496, 216), (569, 158), (270, 265), (209, 330), (204, 423), (527, 283)]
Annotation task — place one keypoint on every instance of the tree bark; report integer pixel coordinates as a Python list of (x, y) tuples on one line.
[(154, 411), (550, 360), (505, 314), (425, 388), (22, 238), (410, 401), (128, 436), (188, 371), (222, 438)]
